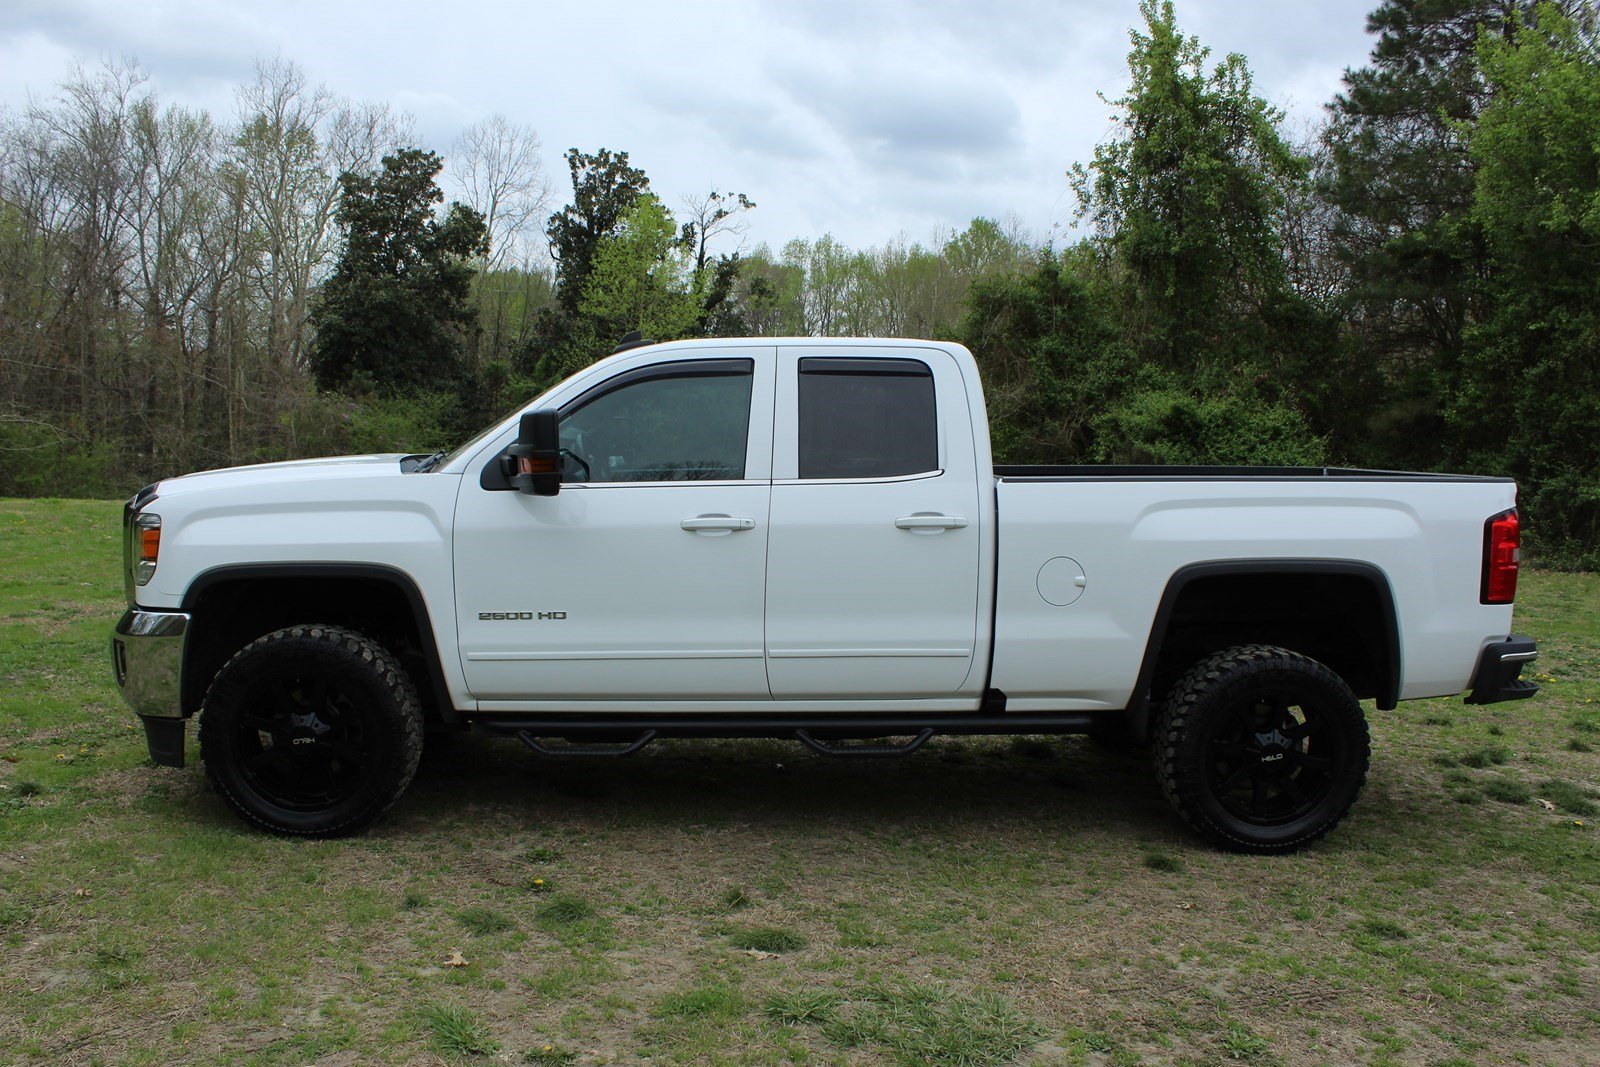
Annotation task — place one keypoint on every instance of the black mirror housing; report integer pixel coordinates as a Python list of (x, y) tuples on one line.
[(537, 454)]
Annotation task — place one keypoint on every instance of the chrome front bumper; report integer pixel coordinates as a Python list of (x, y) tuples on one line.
[(147, 659)]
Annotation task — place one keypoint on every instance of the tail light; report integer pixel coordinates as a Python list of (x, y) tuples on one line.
[(1502, 553), (146, 546)]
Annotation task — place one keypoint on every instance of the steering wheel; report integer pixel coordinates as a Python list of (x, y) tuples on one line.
[(567, 453)]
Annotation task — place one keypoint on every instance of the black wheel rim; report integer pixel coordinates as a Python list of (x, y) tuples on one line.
[(303, 742), (1273, 759)]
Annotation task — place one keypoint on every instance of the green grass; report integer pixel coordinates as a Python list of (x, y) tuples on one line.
[(709, 1002), (458, 1031), (1486, 756), (1508, 790), (563, 910), (981, 902), (1165, 862), (803, 1006), (484, 921), (767, 939), (1569, 797), (921, 1022)]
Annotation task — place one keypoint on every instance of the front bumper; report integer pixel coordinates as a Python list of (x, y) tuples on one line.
[(147, 659), (1498, 676)]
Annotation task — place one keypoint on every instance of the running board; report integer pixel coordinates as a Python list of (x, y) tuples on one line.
[(627, 729), (825, 749), (528, 738)]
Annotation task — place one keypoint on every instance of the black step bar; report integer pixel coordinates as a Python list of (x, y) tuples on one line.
[(825, 748), (623, 735), (530, 739)]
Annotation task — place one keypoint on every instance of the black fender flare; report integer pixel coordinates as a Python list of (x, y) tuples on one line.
[(1388, 695), (378, 572)]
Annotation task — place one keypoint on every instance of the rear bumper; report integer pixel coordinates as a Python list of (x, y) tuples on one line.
[(1498, 676), (147, 660)]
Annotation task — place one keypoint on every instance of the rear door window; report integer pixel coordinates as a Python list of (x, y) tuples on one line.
[(866, 418)]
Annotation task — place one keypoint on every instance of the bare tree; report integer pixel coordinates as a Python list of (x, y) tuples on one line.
[(710, 215), (294, 141), (497, 165), (86, 136), (501, 175)]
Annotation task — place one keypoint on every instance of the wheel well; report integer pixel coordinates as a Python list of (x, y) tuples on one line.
[(1339, 614), (232, 609)]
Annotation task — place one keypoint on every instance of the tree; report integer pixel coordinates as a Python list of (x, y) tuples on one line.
[(765, 301), (1185, 200), (604, 188), (294, 141), (714, 280), (710, 215), (1401, 180), (497, 165), (1050, 355), (1529, 401), (639, 277), (393, 313), (985, 247)]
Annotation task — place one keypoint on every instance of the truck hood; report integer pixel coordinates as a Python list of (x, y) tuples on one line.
[(298, 471)]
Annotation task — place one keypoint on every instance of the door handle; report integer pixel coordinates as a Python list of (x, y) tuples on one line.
[(924, 520), (717, 524)]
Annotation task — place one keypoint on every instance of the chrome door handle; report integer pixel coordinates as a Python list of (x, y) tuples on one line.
[(717, 523), (928, 521)]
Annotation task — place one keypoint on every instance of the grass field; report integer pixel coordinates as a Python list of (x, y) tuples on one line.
[(983, 902)]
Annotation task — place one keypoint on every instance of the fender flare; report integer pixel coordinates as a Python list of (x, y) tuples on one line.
[(1388, 694), (377, 572)]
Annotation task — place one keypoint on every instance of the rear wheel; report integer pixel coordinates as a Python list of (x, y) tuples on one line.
[(311, 731), (1261, 749)]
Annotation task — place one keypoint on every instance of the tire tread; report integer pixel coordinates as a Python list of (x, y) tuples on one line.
[(361, 654), (1187, 700)]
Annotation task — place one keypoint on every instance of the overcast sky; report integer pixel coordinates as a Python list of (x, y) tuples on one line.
[(860, 119)]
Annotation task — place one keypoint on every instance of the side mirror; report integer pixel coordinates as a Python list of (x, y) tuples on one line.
[(537, 454)]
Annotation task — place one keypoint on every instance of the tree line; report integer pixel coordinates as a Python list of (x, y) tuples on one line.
[(1415, 283)]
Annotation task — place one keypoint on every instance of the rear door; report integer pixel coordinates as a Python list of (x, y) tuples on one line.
[(873, 552)]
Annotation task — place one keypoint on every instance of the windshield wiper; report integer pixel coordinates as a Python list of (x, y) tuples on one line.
[(427, 464)]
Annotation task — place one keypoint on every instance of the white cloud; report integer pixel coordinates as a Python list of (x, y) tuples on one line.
[(860, 119)]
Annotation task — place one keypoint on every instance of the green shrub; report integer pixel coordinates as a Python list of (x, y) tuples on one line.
[(402, 423), (1172, 426)]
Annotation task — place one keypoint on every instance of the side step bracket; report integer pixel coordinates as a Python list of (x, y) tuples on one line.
[(828, 749), (593, 751)]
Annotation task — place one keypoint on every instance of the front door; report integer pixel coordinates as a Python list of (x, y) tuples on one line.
[(643, 578)]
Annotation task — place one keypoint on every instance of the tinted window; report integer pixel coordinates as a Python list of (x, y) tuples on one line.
[(666, 428), (866, 418)]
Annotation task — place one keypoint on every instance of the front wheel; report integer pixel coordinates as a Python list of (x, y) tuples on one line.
[(311, 731), (1261, 749)]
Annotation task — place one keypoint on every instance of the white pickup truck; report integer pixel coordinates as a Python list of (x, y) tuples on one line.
[(802, 538)]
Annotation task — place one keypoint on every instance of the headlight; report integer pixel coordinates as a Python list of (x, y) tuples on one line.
[(146, 546)]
